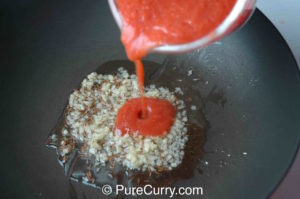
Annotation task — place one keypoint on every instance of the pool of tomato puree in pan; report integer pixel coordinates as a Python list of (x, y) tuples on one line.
[(151, 23)]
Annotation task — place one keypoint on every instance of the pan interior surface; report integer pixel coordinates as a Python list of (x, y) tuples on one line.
[(248, 84)]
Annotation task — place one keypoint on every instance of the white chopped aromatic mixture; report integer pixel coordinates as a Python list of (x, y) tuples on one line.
[(90, 119)]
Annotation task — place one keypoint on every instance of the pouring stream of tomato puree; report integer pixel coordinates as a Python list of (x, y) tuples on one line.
[(151, 23)]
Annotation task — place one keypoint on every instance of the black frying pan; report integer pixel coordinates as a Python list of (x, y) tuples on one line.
[(249, 84)]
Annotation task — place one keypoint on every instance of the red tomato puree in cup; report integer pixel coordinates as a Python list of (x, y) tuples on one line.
[(151, 23)]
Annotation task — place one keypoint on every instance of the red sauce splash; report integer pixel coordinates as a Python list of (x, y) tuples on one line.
[(151, 23), (157, 121)]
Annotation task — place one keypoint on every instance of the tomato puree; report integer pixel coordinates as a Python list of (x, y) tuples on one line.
[(157, 121), (151, 23)]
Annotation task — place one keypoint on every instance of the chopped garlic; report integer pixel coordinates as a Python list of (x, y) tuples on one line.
[(93, 108)]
